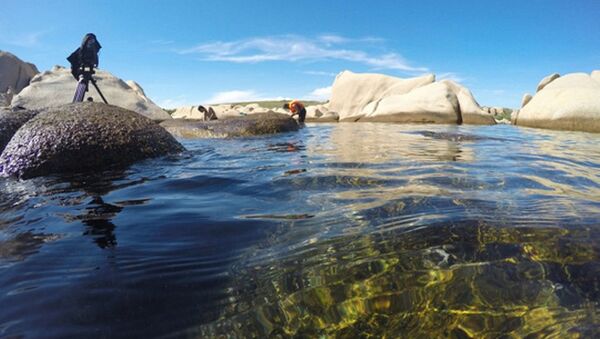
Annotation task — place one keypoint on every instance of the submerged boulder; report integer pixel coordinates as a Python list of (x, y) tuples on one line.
[(83, 137), (571, 102), (15, 75), (250, 125), (10, 121), (382, 98), (57, 87)]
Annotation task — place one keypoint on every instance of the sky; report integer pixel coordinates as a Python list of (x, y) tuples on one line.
[(192, 52)]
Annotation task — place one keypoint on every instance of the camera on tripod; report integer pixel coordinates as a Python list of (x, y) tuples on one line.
[(83, 61)]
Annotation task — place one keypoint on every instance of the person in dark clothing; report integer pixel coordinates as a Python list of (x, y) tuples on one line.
[(208, 114), (296, 107), (86, 56)]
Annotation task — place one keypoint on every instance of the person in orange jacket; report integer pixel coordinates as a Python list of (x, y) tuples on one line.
[(296, 107)]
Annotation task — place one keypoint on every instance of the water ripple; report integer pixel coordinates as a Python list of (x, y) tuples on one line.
[(339, 230)]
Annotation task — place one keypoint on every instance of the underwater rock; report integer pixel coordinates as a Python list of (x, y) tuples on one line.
[(254, 124), (83, 137), (11, 121)]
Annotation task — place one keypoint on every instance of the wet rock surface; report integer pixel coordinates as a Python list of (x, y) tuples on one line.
[(83, 137), (250, 125), (10, 121)]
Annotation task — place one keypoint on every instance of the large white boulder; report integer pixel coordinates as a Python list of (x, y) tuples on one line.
[(15, 75), (433, 103), (571, 102), (526, 99), (377, 97), (545, 81), (57, 87), (596, 75), (352, 92), (188, 112), (316, 111), (468, 108), (320, 113), (222, 111)]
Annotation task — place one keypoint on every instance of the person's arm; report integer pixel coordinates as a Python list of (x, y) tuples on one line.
[(292, 109)]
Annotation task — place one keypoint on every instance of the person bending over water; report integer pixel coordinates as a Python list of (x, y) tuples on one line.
[(208, 114), (296, 107)]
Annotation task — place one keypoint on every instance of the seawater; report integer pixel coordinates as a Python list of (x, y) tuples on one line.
[(338, 230)]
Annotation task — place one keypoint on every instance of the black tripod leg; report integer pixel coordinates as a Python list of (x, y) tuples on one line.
[(80, 91), (99, 92)]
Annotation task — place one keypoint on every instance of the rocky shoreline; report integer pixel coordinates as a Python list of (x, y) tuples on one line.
[(40, 133)]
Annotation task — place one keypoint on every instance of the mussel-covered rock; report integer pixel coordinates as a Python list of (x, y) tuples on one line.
[(253, 124), (83, 137), (10, 121)]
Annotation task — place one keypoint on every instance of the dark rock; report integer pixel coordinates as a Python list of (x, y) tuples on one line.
[(253, 124), (83, 137), (11, 121)]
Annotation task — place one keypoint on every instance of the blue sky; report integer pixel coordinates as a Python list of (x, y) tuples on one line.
[(190, 52)]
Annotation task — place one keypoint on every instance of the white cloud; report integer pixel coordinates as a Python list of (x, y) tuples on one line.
[(30, 39), (329, 74), (450, 76), (170, 103), (333, 39), (293, 48), (322, 93), (234, 96), (162, 42)]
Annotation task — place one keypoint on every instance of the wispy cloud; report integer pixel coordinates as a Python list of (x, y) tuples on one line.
[(320, 73), (30, 39), (293, 48), (234, 96), (450, 76), (169, 103), (322, 93), (162, 42)]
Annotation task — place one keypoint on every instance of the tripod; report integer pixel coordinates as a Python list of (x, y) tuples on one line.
[(84, 83)]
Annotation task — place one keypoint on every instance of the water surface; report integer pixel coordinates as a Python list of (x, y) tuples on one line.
[(341, 230)]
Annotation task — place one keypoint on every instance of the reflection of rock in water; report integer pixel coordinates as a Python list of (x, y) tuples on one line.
[(98, 214), (451, 279), (97, 218), (383, 143), (452, 136), (23, 245)]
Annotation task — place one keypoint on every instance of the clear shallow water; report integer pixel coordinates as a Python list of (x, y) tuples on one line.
[(343, 230)]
